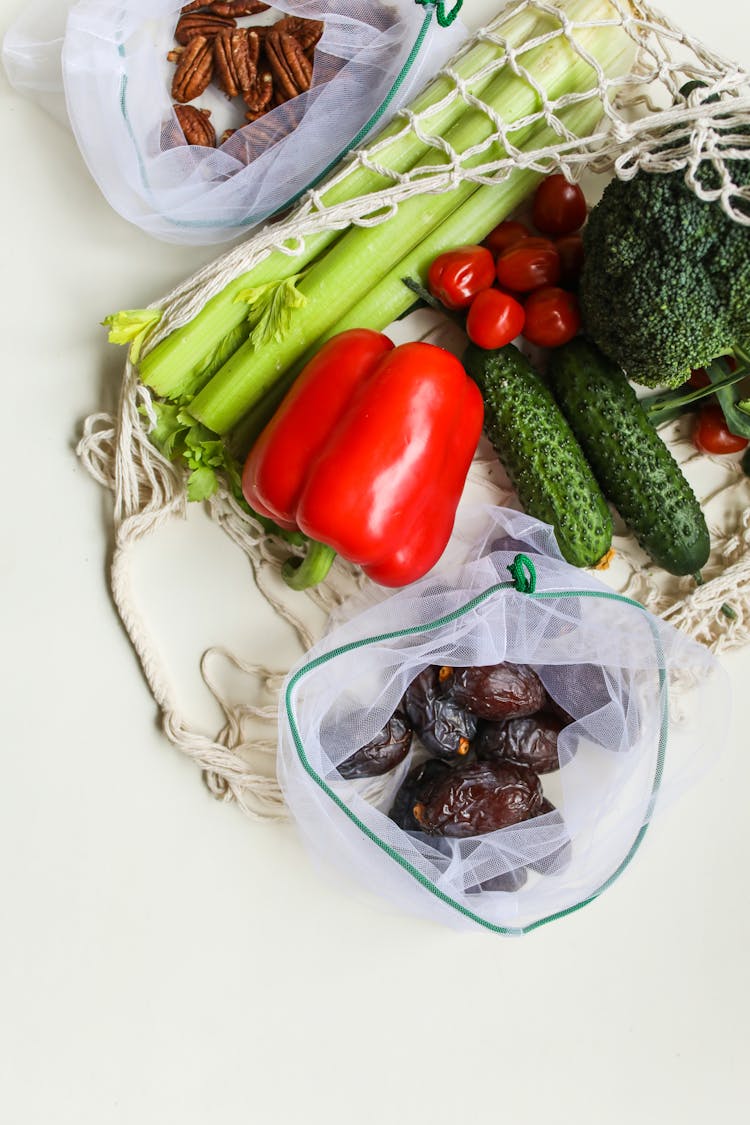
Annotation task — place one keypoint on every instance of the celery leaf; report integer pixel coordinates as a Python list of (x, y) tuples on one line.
[(270, 309), (178, 436), (131, 326), (202, 483)]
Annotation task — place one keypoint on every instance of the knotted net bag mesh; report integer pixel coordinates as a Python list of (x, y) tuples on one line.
[(633, 94)]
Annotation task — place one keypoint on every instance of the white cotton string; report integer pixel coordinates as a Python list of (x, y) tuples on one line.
[(148, 490)]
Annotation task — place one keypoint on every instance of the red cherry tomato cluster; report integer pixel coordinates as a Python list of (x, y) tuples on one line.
[(520, 280)]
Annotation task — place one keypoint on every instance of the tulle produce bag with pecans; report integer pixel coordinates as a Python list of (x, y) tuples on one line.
[(200, 120), (488, 746)]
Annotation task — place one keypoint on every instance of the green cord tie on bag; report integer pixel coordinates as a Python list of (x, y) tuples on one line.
[(523, 573), (445, 19)]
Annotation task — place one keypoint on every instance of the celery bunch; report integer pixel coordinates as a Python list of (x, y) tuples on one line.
[(228, 368)]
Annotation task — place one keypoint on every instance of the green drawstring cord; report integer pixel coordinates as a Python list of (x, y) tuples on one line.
[(445, 19), (523, 574)]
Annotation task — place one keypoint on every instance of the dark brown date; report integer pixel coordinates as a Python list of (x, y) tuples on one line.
[(386, 750), (417, 788), (478, 797), (532, 741), (421, 694), (442, 725), (496, 691), (551, 705), (585, 688), (559, 859), (508, 881)]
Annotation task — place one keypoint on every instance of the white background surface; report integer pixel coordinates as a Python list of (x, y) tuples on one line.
[(162, 958)]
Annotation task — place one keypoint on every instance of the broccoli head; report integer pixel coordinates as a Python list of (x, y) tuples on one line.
[(666, 278)]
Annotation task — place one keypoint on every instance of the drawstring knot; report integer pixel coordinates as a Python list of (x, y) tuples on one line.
[(523, 574), (445, 19)]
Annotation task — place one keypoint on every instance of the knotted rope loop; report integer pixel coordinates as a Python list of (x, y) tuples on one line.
[(523, 573), (445, 19)]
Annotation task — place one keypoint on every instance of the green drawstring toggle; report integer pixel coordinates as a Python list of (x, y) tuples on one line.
[(524, 574), (445, 19)]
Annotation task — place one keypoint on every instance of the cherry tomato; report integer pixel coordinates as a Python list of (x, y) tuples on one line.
[(570, 249), (699, 378), (456, 276), (559, 207), (494, 319), (712, 435), (504, 235), (552, 317), (528, 264)]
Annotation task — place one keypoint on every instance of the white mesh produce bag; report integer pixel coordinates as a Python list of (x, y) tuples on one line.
[(649, 704), (105, 63)]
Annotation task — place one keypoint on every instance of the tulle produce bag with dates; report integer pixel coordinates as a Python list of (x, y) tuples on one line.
[(104, 66), (645, 705)]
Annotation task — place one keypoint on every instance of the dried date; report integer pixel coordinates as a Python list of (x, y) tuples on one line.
[(508, 881), (555, 708), (558, 859), (383, 753), (531, 740), (479, 797), (442, 725), (496, 691), (417, 788)]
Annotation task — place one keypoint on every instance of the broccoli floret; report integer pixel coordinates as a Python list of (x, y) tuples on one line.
[(666, 278)]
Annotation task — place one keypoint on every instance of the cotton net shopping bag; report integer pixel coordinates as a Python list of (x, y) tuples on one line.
[(627, 111)]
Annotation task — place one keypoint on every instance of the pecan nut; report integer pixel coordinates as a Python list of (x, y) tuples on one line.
[(200, 23), (306, 32), (195, 64), (236, 57), (195, 125), (258, 97), (237, 8), (290, 66)]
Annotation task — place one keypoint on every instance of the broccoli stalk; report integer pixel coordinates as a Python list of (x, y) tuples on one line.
[(723, 383), (666, 279)]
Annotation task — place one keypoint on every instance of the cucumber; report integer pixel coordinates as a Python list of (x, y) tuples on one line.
[(540, 454), (635, 468)]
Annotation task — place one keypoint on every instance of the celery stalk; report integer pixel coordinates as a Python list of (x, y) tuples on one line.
[(179, 361), (358, 261), (391, 298), (489, 206)]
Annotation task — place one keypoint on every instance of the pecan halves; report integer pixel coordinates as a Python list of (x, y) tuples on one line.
[(236, 57), (306, 32), (237, 8), (290, 66), (258, 97), (195, 64), (195, 125), (200, 23)]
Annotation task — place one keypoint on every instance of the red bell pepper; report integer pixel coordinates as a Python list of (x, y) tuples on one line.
[(368, 456)]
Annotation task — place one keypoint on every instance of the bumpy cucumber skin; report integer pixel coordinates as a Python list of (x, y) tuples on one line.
[(635, 468), (546, 466)]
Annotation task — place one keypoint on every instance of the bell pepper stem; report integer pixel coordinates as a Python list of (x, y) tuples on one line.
[(300, 574)]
